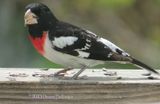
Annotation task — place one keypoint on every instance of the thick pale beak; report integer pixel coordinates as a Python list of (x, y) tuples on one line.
[(30, 18)]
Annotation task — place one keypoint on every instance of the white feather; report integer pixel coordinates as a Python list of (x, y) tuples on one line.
[(112, 46), (91, 32), (62, 42), (88, 40), (83, 54)]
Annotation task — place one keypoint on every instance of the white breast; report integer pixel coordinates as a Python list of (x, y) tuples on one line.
[(66, 60)]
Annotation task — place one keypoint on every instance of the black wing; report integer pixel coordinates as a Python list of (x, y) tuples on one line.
[(75, 41)]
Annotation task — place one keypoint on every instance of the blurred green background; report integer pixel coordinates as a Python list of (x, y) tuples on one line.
[(133, 25)]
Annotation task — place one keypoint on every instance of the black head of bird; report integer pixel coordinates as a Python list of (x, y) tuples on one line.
[(39, 14)]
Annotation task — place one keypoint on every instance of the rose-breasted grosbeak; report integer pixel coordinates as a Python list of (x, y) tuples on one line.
[(70, 45)]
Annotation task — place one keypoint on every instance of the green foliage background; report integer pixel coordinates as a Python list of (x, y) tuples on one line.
[(132, 24)]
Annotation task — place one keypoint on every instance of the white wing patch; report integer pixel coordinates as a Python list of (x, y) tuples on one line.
[(112, 46), (62, 42), (91, 32), (83, 54)]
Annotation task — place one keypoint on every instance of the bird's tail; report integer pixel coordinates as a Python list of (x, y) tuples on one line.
[(134, 61), (142, 65)]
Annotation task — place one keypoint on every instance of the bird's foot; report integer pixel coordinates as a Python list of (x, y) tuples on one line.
[(62, 73)]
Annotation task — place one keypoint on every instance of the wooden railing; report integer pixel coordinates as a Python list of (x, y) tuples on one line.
[(94, 86)]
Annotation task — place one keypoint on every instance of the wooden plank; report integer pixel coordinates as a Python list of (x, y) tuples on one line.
[(95, 86)]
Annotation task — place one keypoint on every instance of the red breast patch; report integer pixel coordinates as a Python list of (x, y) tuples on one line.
[(38, 42)]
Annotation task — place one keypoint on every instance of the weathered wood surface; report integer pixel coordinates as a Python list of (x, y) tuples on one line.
[(35, 86)]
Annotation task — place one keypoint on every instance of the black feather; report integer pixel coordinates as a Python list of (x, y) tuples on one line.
[(142, 65), (97, 50)]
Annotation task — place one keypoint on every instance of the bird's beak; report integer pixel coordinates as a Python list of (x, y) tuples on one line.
[(30, 18)]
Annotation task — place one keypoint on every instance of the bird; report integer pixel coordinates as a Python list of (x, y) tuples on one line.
[(69, 45)]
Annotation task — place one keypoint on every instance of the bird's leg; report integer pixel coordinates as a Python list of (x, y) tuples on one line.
[(62, 72), (75, 76)]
